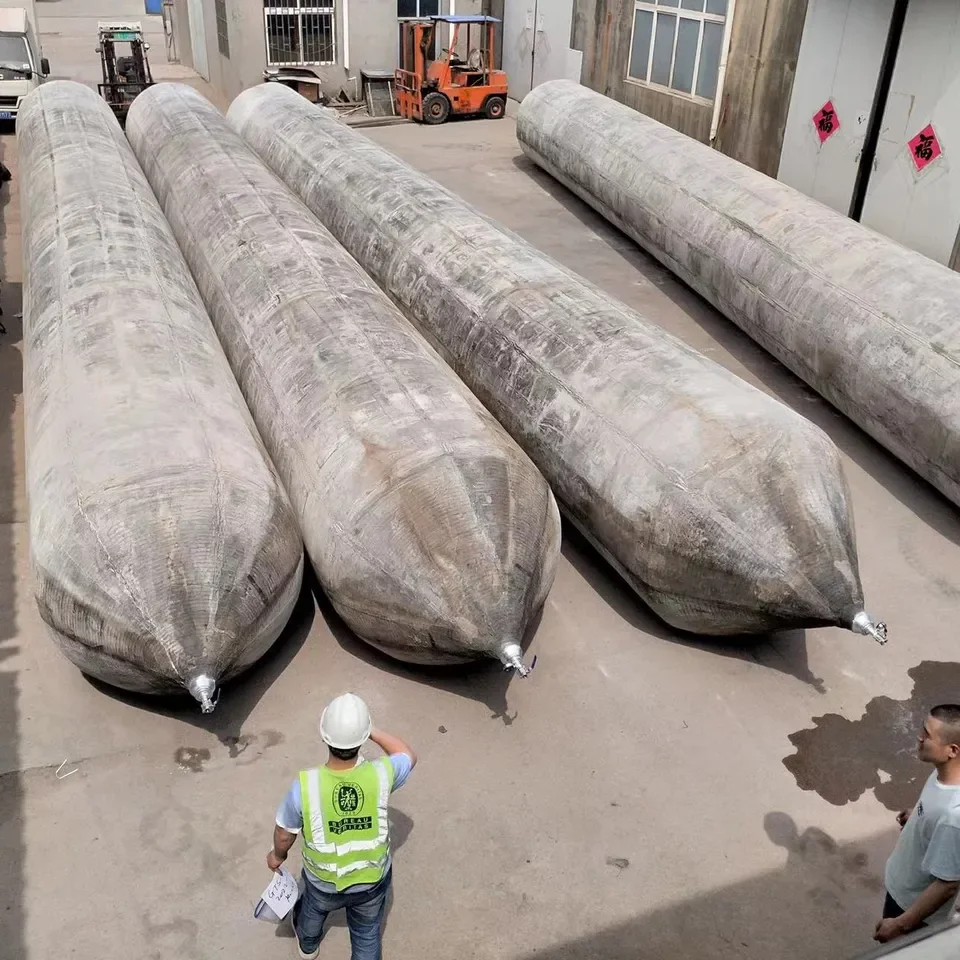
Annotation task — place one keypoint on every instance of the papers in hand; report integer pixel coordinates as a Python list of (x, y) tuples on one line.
[(280, 895)]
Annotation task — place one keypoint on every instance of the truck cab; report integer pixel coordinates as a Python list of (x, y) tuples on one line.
[(22, 64)]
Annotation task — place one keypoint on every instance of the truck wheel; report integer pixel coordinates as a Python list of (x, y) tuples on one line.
[(495, 108), (436, 108)]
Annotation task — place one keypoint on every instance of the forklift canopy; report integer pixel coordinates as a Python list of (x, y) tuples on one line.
[(430, 89), (465, 18)]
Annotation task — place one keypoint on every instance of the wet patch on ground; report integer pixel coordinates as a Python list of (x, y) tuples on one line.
[(842, 759), (191, 758)]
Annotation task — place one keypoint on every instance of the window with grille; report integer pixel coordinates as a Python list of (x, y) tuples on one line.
[(299, 36), (678, 44), (223, 38)]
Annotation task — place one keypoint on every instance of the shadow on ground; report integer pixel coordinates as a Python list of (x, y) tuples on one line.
[(784, 652), (238, 698), (12, 910), (914, 493), (841, 759), (485, 681), (826, 896)]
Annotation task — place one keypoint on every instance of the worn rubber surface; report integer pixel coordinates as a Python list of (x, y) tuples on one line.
[(432, 532), (872, 326), (724, 509), (163, 544)]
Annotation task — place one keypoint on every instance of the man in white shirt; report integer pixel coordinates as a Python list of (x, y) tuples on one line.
[(923, 872)]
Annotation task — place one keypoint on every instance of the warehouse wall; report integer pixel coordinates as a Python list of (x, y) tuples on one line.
[(373, 35), (921, 208), (373, 30), (244, 67), (764, 44), (840, 56), (840, 61), (181, 31), (536, 44), (181, 17), (495, 8)]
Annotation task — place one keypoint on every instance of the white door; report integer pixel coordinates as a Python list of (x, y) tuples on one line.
[(914, 195), (518, 32), (552, 57), (841, 50), (198, 41), (536, 44)]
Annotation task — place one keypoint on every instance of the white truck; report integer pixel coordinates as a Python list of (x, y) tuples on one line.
[(22, 63)]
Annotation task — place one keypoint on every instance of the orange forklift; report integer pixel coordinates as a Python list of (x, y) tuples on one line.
[(430, 91)]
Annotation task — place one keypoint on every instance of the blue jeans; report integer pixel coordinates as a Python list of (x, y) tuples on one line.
[(364, 917)]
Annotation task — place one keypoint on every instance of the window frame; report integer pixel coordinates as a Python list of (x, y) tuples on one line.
[(419, 16), (223, 36), (299, 12), (656, 7)]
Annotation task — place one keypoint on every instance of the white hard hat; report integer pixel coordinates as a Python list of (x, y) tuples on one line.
[(345, 723)]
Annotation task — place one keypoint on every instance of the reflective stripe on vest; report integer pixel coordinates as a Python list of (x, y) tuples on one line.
[(345, 826)]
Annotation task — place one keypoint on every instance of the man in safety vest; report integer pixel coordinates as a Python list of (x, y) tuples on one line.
[(341, 810)]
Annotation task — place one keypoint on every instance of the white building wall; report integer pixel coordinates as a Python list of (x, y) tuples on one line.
[(198, 41), (373, 32)]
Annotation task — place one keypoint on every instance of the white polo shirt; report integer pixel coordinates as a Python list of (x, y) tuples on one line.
[(928, 848)]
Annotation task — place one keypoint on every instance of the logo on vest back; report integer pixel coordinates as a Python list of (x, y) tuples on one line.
[(347, 802), (336, 827), (347, 799)]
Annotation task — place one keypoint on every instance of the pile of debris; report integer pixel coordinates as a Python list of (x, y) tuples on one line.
[(372, 103)]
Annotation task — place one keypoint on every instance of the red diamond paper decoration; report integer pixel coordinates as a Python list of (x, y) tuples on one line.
[(924, 148), (826, 122)]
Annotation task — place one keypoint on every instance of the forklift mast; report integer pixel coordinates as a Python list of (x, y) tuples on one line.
[(126, 76)]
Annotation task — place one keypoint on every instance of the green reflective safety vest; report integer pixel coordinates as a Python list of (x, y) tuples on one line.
[(345, 827)]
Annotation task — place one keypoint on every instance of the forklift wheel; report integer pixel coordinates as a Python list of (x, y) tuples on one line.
[(495, 108), (436, 108)]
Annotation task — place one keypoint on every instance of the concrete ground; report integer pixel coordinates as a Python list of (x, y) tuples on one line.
[(642, 795)]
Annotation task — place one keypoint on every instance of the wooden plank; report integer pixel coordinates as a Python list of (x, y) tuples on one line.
[(764, 46)]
